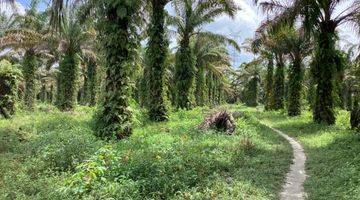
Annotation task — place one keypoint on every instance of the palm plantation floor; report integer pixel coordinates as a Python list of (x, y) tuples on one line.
[(332, 153), (293, 188), (52, 155)]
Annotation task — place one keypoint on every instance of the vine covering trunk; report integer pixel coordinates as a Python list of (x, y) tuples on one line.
[(156, 53), (9, 78), (67, 80), (185, 74), (90, 88), (30, 66), (118, 38)]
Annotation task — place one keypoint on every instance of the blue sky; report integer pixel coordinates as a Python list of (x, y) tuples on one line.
[(244, 25)]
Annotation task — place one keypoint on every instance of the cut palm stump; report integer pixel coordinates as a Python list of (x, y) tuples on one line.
[(221, 120)]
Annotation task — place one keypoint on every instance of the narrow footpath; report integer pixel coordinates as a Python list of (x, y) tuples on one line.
[(293, 189)]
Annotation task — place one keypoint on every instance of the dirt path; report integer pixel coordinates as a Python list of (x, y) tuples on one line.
[(293, 188)]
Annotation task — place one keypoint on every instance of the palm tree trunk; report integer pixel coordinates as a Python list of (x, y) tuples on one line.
[(214, 91), (91, 83), (114, 118), (200, 86), (295, 83), (349, 102), (252, 92), (269, 95), (279, 84), (325, 68), (51, 95), (144, 88), (157, 52), (355, 116), (209, 83), (311, 92), (67, 81), (185, 74), (43, 93), (30, 65)]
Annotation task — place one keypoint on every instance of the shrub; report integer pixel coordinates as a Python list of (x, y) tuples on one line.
[(9, 77), (62, 151)]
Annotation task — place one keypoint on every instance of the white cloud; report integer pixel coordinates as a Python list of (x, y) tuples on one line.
[(241, 27), (248, 19)]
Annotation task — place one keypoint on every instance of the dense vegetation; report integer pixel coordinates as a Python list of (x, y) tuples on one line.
[(98, 101), (56, 156)]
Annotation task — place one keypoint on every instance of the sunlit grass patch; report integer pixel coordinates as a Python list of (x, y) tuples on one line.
[(332, 151)]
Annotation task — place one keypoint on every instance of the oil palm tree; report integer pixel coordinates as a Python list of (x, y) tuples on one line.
[(119, 41), (248, 79), (190, 16), (210, 52), (251, 89), (76, 43), (31, 37), (321, 18), (297, 46), (216, 70), (261, 45), (156, 57), (269, 42)]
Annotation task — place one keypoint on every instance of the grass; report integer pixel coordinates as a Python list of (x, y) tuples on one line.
[(332, 151), (52, 155)]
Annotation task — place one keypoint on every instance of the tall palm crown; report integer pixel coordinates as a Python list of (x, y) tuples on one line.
[(190, 16), (212, 60), (315, 13), (320, 18), (31, 36)]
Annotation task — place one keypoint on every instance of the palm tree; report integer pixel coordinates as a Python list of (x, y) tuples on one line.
[(320, 19), (277, 45), (251, 76), (118, 36), (190, 16), (156, 57), (211, 57), (90, 81), (262, 45), (269, 42), (32, 38), (76, 42), (297, 46), (246, 81)]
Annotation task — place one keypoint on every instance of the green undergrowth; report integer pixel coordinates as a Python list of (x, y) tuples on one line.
[(332, 153), (52, 155)]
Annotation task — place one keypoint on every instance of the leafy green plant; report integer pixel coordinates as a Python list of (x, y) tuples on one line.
[(9, 78)]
